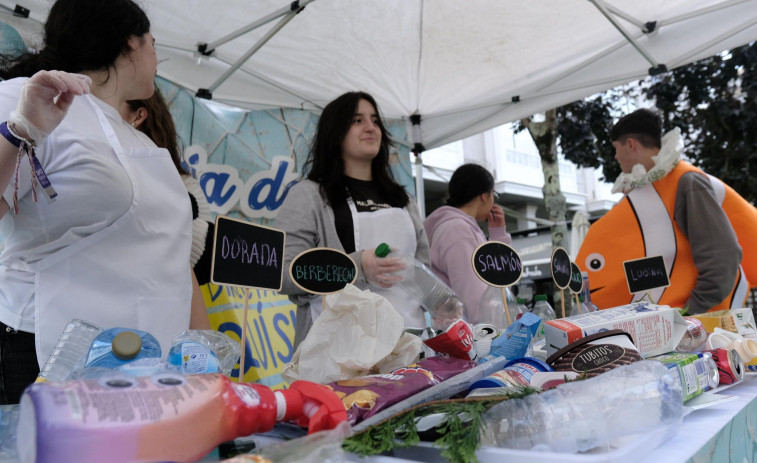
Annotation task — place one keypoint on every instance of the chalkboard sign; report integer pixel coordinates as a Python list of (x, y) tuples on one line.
[(322, 270), (561, 268), (576, 279), (646, 273), (246, 254), (497, 264)]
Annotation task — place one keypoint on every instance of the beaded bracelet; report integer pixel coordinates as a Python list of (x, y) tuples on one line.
[(38, 173)]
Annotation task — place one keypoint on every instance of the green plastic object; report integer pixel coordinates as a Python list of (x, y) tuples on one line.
[(383, 250)]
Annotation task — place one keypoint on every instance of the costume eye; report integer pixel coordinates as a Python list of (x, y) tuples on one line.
[(595, 261)]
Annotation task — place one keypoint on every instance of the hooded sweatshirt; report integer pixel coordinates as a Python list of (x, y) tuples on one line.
[(453, 236)]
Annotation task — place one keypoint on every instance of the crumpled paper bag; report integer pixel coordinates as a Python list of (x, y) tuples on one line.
[(358, 333)]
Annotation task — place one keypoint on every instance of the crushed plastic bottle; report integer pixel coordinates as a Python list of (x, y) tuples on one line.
[(8, 432), (543, 309), (586, 293), (70, 352), (203, 351), (492, 307), (420, 283), (579, 416), (118, 346)]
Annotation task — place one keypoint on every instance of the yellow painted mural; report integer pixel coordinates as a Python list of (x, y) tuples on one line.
[(270, 329)]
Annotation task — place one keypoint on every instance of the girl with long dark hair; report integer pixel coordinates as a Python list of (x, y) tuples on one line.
[(99, 229), (350, 201)]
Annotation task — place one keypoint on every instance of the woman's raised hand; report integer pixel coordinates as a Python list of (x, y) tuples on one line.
[(380, 270), (44, 101)]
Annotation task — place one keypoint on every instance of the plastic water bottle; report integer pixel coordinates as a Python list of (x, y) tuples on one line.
[(492, 307), (522, 305), (115, 347), (577, 309), (586, 293), (70, 352), (8, 432), (582, 415), (203, 351), (420, 283), (543, 309)]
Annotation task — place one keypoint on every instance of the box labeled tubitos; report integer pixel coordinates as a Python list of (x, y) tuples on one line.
[(655, 329)]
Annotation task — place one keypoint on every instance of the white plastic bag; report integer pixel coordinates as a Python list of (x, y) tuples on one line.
[(357, 334)]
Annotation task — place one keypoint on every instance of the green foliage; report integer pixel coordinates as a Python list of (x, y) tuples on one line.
[(713, 101), (460, 431)]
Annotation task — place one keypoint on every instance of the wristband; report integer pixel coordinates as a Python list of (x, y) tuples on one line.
[(11, 136), (38, 173)]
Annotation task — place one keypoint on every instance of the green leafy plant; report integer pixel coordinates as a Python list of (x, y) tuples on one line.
[(459, 432)]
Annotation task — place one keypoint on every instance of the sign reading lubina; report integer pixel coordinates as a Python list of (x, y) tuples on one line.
[(322, 270), (646, 273), (246, 254), (497, 264)]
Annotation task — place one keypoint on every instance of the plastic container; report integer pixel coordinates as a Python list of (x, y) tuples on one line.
[(696, 371), (542, 308), (168, 417), (70, 352), (492, 307), (117, 346), (203, 351), (695, 336), (420, 283), (586, 293), (581, 415), (8, 425), (517, 372), (577, 309), (522, 305)]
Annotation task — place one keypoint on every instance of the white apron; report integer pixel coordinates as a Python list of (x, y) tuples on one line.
[(395, 228), (133, 273), (371, 230)]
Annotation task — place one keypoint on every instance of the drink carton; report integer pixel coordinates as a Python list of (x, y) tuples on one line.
[(655, 329)]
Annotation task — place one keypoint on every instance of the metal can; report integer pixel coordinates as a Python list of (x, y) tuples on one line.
[(517, 372), (729, 364), (696, 371)]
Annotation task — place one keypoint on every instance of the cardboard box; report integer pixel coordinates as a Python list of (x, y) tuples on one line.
[(735, 320), (655, 329)]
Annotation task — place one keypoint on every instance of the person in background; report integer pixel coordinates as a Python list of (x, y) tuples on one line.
[(454, 233), (153, 117), (350, 201), (671, 209), (108, 239)]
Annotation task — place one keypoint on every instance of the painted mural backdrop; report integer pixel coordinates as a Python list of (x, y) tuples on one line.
[(246, 161)]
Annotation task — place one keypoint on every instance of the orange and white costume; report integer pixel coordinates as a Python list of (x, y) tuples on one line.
[(696, 222)]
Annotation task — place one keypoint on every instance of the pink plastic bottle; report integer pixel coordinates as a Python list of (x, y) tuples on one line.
[(165, 417)]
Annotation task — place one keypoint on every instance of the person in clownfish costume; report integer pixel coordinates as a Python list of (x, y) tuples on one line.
[(698, 224)]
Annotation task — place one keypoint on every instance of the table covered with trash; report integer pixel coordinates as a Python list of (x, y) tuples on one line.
[(632, 383)]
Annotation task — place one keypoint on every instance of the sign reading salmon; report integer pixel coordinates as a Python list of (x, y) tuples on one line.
[(497, 264)]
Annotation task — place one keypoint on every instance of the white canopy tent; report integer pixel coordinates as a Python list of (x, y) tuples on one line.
[(463, 66)]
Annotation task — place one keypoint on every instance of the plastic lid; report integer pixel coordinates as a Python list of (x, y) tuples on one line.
[(382, 250), (126, 345), (540, 297)]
